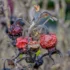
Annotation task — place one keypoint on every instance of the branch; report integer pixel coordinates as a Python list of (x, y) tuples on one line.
[(6, 13)]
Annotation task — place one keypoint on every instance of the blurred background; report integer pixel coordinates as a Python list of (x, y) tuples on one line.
[(23, 8)]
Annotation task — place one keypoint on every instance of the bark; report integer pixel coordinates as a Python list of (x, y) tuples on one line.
[(45, 4), (7, 12)]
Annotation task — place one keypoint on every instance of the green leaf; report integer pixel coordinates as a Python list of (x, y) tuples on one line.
[(38, 52)]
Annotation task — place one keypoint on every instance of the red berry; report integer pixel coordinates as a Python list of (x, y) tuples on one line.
[(48, 41)]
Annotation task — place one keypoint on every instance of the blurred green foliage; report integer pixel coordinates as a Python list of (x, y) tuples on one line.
[(41, 3), (68, 1), (50, 5)]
